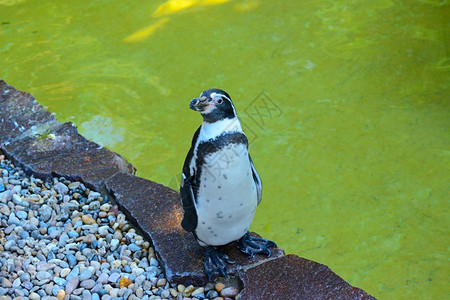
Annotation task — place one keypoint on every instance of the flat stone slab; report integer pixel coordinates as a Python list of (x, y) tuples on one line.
[(20, 112), (157, 211), (292, 277), (33, 139)]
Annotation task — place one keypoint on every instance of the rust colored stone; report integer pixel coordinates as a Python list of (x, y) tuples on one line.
[(292, 277), (124, 282), (156, 210)]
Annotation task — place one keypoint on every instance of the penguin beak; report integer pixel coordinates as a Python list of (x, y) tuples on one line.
[(193, 104), (198, 104)]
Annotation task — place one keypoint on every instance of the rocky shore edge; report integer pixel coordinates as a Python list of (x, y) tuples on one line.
[(128, 227)]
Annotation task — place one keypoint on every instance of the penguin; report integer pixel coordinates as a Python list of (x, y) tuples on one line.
[(220, 187)]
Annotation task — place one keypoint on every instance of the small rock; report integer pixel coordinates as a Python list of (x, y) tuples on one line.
[(13, 219), (6, 283), (72, 260), (45, 267), (105, 207), (34, 296), (64, 272), (188, 291), (219, 287), (134, 247), (124, 282), (181, 288), (139, 280), (103, 230), (9, 244), (95, 296), (60, 281), (72, 284), (73, 185), (229, 292), (165, 294), (4, 209), (61, 188), (114, 244), (212, 294), (93, 195), (87, 284), (43, 275), (154, 262), (85, 274), (86, 295), (114, 292), (113, 277), (161, 282), (88, 220), (198, 291), (89, 238), (173, 292), (139, 292), (103, 278), (21, 215), (61, 294)]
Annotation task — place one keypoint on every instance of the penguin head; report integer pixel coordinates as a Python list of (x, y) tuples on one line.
[(214, 105)]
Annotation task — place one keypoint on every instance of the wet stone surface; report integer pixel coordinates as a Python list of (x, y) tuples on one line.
[(292, 277), (20, 112), (61, 151), (35, 141)]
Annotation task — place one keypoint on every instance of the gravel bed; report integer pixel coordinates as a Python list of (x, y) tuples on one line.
[(60, 240)]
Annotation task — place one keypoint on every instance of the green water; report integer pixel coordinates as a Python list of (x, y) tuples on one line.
[(346, 104)]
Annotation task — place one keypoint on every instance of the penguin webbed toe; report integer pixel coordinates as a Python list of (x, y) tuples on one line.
[(251, 245), (216, 262)]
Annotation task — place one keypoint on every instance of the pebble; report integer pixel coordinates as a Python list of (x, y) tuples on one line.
[(61, 294), (85, 274), (219, 287), (72, 284), (87, 284), (87, 220), (60, 240), (229, 292), (188, 291), (21, 215), (61, 188), (124, 282)]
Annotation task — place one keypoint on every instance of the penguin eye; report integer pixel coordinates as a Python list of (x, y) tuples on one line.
[(219, 101)]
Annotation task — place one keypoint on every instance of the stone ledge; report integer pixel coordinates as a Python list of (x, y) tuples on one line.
[(292, 277), (20, 113), (33, 139)]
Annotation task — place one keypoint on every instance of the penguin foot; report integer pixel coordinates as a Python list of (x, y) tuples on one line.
[(253, 245), (216, 262)]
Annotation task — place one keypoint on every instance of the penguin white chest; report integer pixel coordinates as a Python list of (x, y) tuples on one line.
[(227, 196)]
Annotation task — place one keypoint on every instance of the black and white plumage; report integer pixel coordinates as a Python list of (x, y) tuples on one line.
[(220, 188)]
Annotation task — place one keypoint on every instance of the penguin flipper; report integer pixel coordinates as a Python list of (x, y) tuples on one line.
[(190, 219), (257, 180)]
